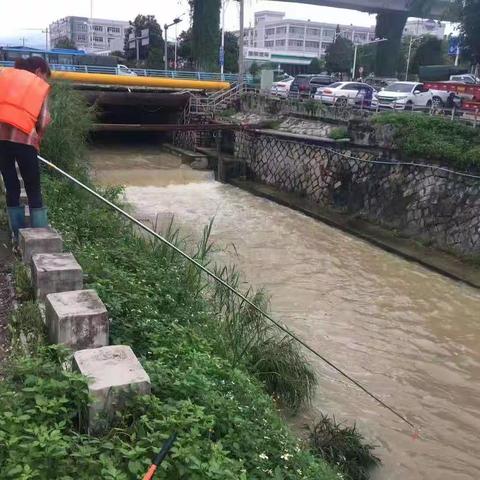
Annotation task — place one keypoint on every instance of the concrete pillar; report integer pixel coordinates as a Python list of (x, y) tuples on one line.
[(76, 319), (390, 25), (55, 272), (38, 240), (114, 374)]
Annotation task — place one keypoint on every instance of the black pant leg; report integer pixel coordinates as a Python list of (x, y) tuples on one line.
[(9, 174), (28, 163)]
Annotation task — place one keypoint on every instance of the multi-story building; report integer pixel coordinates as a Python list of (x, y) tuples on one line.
[(93, 35), (277, 39), (416, 27)]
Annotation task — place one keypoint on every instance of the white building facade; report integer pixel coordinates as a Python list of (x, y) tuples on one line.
[(94, 35), (416, 27), (276, 39)]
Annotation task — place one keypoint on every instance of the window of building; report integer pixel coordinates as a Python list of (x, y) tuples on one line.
[(98, 39), (81, 27), (81, 37), (280, 43), (269, 31), (296, 30), (329, 34), (98, 28), (269, 43), (310, 44), (113, 29), (281, 29), (295, 43), (314, 32)]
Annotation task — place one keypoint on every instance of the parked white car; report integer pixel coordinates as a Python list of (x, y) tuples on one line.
[(345, 93), (465, 78), (281, 89), (125, 71), (407, 96)]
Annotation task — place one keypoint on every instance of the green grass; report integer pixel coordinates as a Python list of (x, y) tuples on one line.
[(338, 133), (435, 138), (343, 446)]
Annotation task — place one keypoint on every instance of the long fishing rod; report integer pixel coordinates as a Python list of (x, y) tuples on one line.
[(228, 287)]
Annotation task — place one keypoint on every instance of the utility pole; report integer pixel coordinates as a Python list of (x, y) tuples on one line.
[(166, 27), (354, 67), (241, 60), (412, 39)]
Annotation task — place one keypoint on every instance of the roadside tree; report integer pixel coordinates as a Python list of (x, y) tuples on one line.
[(65, 42), (155, 45), (339, 55)]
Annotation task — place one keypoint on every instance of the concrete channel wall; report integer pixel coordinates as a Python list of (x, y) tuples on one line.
[(431, 205), (77, 318)]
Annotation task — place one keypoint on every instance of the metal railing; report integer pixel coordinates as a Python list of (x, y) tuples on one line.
[(145, 72)]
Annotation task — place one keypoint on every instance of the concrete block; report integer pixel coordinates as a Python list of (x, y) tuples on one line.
[(23, 197), (76, 319), (114, 374), (27, 215), (39, 240), (55, 272)]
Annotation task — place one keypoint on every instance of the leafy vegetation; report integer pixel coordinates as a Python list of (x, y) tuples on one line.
[(23, 283), (66, 138), (339, 133), (339, 54), (343, 446), (205, 33), (151, 54), (435, 138)]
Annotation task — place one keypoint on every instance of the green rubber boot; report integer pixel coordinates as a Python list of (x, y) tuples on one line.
[(16, 217), (38, 217)]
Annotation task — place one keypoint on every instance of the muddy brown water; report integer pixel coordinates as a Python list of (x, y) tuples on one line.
[(410, 335)]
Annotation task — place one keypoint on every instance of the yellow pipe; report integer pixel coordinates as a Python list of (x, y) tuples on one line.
[(159, 82)]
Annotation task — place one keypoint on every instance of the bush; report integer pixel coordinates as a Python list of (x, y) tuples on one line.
[(343, 446), (339, 133), (435, 138)]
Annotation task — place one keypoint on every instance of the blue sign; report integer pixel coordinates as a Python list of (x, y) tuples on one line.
[(453, 45), (221, 56)]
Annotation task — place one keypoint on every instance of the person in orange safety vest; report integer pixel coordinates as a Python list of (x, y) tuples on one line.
[(24, 118)]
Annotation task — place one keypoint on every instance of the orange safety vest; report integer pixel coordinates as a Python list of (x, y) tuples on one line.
[(21, 98)]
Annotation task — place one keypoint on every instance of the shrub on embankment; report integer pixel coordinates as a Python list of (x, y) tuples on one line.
[(434, 138), (205, 353)]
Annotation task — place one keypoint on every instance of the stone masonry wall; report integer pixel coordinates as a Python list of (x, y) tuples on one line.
[(426, 203)]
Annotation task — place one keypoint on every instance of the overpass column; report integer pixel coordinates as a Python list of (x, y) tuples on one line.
[(390, 25)]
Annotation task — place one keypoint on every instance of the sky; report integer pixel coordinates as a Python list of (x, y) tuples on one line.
[(20, 16)]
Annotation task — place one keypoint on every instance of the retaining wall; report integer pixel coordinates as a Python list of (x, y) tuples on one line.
[(426, 203)]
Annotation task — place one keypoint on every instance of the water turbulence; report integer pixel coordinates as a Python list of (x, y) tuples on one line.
[(410, 335)]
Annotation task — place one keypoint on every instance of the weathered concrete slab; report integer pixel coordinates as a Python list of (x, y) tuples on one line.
[(55, 272), (114, 374), (39, 240), (77, 319)]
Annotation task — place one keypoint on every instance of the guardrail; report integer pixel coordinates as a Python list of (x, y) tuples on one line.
[(144, 72)]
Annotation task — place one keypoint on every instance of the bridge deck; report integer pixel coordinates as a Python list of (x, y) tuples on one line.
[(439, 9)]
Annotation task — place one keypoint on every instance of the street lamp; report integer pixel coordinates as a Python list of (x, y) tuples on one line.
[(412, 39), (166, 27), (376, 40)]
